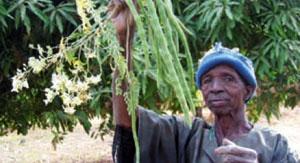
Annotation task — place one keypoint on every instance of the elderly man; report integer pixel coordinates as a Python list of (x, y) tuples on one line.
[(227, 81)]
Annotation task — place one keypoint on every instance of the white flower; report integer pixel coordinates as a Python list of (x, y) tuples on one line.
[(90, 6), (77, 70), (85, 97), (69, 109), (40, 49), (58, 81), (25, 83), (82, 86), (50, 94), (71, 86), (94, 79), (67, 99), (76, 101), (54, 58), (19, 83), (90, 55), (36, 64)]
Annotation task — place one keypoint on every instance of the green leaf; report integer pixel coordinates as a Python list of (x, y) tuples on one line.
[(266, 49), (3, 22), (257, 7), (59, 23), (49, 8), (27, 24), (38, 13), (69, 9), (61, 115), (13, 7), (17, 18), (228, 32), (192, 14), (70, 56), (217, 18), (215, 33), (84, 120), (75, 35), (69, 4), (281, 32), (52, 15), (191, 7), (209, 17), (68, 17), (284, 18), (23, 12), (3, 11), (294, 22), (277, 46), (228, 13)]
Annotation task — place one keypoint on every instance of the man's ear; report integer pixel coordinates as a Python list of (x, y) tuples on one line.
[(249, 92)]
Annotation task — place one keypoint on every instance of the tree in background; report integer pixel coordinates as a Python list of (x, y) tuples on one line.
[(28, 29), (265, 31)]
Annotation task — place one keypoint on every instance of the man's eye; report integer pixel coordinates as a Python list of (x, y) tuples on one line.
[(228, 78), (205, 81)]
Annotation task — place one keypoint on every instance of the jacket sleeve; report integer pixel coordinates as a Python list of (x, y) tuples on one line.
[(283, 152), (123, 149), (162, 139)]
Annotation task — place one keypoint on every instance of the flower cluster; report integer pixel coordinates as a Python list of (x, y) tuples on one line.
[(73, 89), (72, 92), (36, 64), (19, 81)]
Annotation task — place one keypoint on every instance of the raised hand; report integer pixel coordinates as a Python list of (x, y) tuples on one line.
[(237, 154), (122, 19)]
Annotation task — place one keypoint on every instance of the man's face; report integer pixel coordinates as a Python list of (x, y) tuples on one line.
[(224, 91)]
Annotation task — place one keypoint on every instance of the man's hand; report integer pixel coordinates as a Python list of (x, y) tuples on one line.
[(122, 19), (237, 154)]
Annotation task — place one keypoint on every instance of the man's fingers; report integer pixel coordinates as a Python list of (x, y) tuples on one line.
[(234, 153), (236, 150), (229, 149), (227, 142), (237, 159), (115, 6)]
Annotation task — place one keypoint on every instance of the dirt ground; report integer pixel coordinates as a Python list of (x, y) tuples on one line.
[(79, 147)]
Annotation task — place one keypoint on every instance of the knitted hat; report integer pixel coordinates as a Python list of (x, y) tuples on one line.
[(220, 55)]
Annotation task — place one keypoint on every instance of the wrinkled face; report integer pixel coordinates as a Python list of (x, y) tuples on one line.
[(224, 91)]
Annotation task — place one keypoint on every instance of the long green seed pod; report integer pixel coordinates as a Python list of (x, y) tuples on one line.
[(174, 21), (171, 43), (154, 49), (132, 102), (141, 33), (168, 59)]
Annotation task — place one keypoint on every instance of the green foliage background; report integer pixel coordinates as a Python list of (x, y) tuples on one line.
[(266, 31)]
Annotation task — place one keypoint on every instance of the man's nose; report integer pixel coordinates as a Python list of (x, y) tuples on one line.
[(217, 86)]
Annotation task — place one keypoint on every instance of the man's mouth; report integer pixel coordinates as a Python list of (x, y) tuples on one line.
[(218, 102)]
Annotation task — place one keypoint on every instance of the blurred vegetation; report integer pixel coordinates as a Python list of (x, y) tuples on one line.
[(267, 31), (264, 30)]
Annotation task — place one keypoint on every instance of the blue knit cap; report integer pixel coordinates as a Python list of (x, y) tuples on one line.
[(220, 55)]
